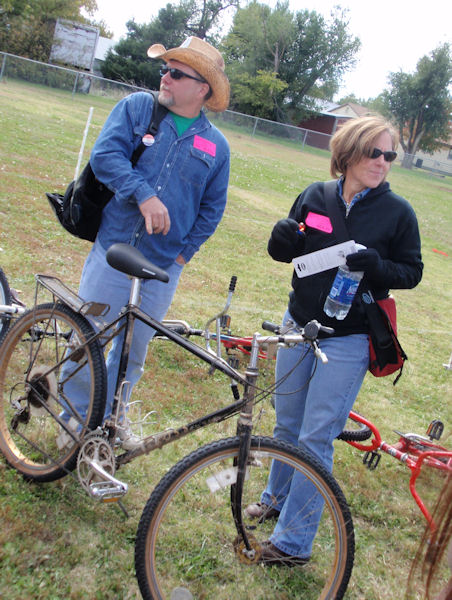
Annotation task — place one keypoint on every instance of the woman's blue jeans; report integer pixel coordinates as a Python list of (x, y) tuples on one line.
[(102, 283), (312, 406)]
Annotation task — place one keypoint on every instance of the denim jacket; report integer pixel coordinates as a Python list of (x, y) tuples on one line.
[(189, 174)]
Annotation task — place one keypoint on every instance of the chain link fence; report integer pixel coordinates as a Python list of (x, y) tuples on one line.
[(80, 82), (428, 163)]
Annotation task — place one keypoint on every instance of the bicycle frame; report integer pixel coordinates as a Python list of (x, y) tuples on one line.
[(405, 450), (412, 450), (7, 310), (244, 405), (131, 312)]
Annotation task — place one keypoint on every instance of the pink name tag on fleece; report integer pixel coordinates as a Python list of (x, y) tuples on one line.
[(205, 145), (319, 222)]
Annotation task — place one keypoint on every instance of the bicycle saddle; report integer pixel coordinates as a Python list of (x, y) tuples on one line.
[(131, 261)]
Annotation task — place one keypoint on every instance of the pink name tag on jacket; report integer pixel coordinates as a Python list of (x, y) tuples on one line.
[(205, 145), (319, 222)]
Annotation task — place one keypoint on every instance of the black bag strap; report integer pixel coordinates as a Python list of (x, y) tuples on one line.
[(373, 311), (337, 220), (158, 114), (378, 321)]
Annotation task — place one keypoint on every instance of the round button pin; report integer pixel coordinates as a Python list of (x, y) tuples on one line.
[(148, 139)]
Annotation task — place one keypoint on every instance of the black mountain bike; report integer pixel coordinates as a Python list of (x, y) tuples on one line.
[(193, 534)]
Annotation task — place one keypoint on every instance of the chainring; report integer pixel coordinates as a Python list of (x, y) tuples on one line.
[(96, 448)]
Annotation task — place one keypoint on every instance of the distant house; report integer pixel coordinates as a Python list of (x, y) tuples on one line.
[(439, 162), (329, 116), (327, 119), (351, 110)]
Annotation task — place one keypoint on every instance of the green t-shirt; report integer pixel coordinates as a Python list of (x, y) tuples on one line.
[(182, 123)]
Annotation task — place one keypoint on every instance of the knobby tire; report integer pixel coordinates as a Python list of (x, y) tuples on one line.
[(34, 388), (186, 534)]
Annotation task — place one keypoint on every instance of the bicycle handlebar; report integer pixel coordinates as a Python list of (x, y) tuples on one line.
[(232, 283), (292, 334), (310, 331)]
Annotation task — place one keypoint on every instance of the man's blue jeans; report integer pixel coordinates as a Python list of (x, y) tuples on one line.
[(102, 283), (312, 406)]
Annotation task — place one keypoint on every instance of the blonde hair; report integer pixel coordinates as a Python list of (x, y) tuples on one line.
[(355, 140)]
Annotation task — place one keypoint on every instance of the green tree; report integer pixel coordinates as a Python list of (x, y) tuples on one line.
[(26, 28), (256, 95), (205, 15), (420, 103), (254, 49), (306, 52), (128, 61), (322, 53)]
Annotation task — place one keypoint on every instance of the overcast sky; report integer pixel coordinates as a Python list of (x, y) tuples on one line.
[(394, 34)]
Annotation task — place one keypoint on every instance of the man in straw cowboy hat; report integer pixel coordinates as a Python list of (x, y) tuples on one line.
[(168, 204)]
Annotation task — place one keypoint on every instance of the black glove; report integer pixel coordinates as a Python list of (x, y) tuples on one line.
[(367, 260), (286, 241)]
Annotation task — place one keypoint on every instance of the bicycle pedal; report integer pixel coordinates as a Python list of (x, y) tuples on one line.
[(109, 489), (233, 361), (106, 491), (435, 429), (225, 321), (371, 460)]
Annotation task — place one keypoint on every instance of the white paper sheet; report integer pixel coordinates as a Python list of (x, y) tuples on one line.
[(322, 260)]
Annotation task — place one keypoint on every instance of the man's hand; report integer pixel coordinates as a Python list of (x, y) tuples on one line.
[(155, 215)]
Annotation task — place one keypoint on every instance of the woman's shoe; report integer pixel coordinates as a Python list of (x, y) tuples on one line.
[(271, 555), (261, 511)]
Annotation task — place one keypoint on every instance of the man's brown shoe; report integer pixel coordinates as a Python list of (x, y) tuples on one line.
[(261, 511), (271, 555)]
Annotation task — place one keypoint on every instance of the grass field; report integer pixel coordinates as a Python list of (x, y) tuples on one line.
[(55, 543)]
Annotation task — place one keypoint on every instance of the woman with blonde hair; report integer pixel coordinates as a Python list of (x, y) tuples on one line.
[(313, 401)]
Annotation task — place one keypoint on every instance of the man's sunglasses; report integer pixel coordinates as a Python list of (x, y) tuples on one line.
[(389, 155), (177, 74)]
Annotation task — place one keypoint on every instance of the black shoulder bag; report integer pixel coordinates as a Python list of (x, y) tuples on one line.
[(386, 355), (79, 209)]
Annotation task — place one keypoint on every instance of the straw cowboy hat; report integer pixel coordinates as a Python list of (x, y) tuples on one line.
[(205, 60)]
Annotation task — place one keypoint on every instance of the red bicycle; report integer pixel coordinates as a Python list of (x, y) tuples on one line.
[(417, 452)]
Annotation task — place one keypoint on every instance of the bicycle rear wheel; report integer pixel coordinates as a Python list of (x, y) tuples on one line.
[(186, 535), (34, 390), (5, 298)]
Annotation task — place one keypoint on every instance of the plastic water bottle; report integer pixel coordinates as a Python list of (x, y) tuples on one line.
[(342, 292)]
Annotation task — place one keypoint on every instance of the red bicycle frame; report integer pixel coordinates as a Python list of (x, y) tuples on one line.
[(412, 450)]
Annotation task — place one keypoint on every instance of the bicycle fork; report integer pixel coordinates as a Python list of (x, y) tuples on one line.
[(243, 542)]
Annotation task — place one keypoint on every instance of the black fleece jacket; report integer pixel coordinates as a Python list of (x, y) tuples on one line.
[(381, 220)]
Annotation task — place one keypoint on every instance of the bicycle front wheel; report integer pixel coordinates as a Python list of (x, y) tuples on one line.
[(35, 389), (187, 540)]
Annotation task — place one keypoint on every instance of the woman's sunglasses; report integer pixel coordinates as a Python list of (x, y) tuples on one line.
[(389, 155), (177, 74)]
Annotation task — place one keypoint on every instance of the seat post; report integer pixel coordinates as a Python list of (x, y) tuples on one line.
[(135, 289)]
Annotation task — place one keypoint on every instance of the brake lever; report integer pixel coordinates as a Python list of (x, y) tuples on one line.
[(318, 353)]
